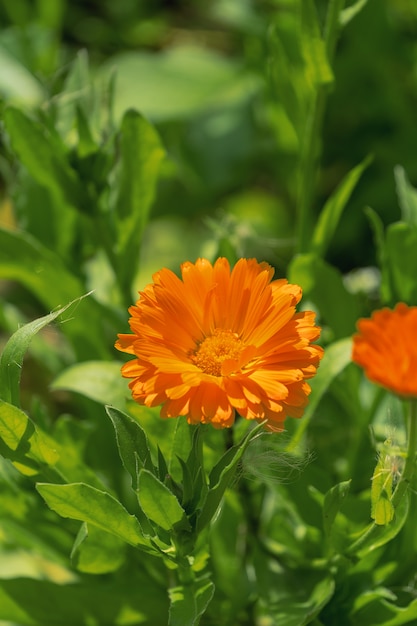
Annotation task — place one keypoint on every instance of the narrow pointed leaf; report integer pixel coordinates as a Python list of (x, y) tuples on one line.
[(333, 209), (349, 12), (11, 359), (407, 196)]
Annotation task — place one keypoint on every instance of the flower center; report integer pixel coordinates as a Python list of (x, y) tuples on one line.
[(212, 351)]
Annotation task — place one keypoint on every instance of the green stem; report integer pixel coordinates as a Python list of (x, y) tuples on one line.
[(310, 151)]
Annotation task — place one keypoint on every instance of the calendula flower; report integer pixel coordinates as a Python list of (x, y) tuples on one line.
[(220, 341), (386, 347)]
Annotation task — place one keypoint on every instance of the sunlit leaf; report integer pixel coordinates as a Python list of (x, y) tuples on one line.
[(17, 84), (87, 504), (27, 447)]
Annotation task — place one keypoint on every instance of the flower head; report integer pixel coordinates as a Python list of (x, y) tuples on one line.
[(220, 341), (386, 347)]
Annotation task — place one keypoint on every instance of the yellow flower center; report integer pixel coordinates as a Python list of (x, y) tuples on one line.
[(212, 351)]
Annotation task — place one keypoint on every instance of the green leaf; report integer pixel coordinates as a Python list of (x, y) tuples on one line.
[(317, 68), (159, 503), (323, 284), (44, 157), (407, 196), (132, 443), (178, 82), (88, 504), (332, 210), (135, 599), (11, 359), (99, 380), (373, 608), (220, 477), (77, 93), (86, 144), (377, 226), (141, 156), (189, 602), (349, 12), (181, 444), (17, 84), (375, 536), (28, 448), (162, 466), (282, 78), (401, 253), (336, 358), (96, 551), (280, 603), (40, 270), (333, 501)]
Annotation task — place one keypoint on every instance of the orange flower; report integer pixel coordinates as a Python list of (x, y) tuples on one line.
[(386, 347), (220, 341)]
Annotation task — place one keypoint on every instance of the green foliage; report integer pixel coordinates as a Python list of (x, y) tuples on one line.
[(142, 137)]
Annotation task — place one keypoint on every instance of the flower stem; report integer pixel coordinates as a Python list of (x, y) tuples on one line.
[(310, 151)]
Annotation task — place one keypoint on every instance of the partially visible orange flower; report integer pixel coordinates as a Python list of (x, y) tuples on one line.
[(386, 347), (220, 341)]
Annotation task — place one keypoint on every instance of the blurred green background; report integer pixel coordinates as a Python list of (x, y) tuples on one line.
[(201, 72)]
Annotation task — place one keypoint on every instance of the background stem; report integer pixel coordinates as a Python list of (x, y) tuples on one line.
[(311, 147)]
